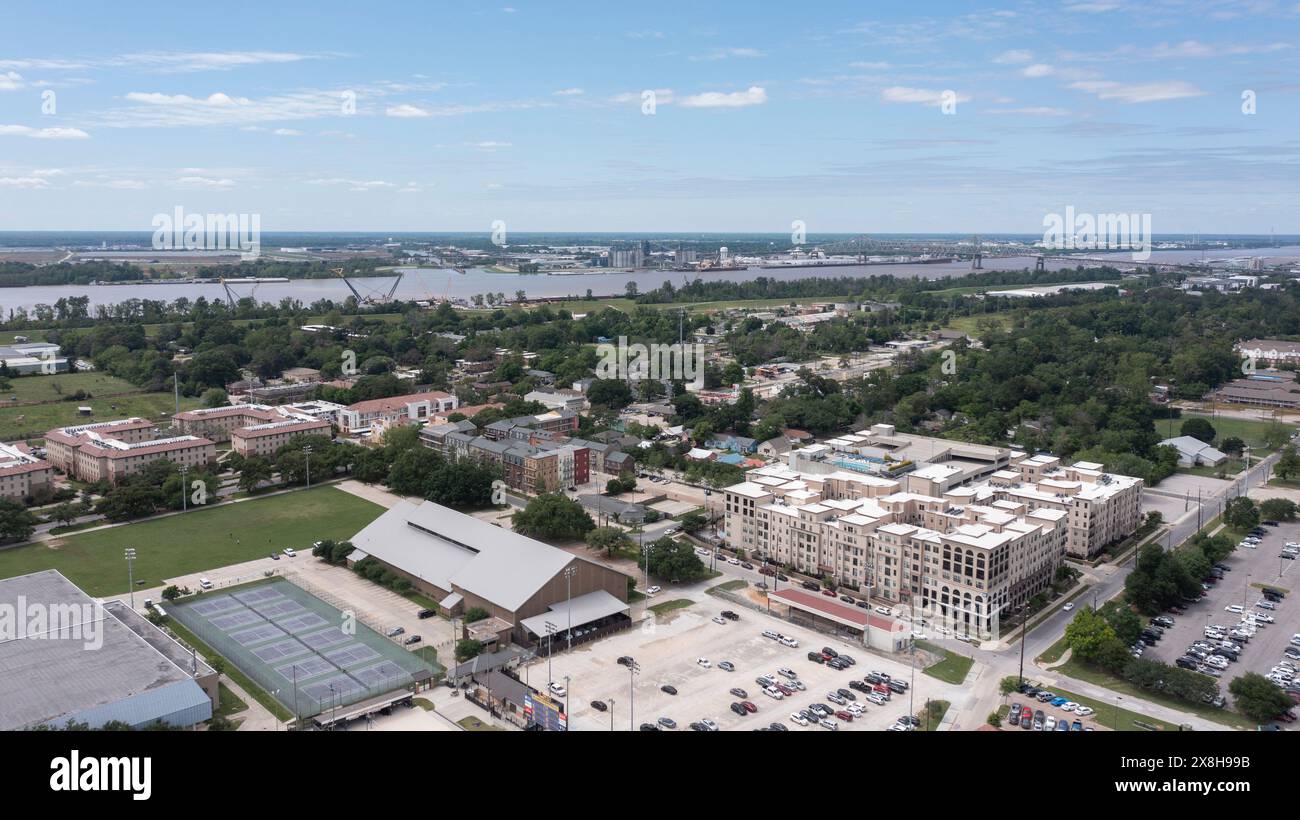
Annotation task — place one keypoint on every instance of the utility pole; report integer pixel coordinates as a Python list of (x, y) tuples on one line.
[(306, 451), (633, 669), (184, 488)]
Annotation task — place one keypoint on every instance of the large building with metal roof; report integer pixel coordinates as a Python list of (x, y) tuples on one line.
[(64, 657), (466, 563)]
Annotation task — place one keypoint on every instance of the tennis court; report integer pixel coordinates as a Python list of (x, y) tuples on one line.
[(307, 654)]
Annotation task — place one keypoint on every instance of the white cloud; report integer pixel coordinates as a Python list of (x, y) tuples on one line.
[(216, 99), (56, 133), (754, 95), (1031, 111), (406, 111), (24, 182), (354, 184), (1139, 92), (1092, 8), (10, 81), (569, 92), (164, 61), (878, 66), (205, 182), (287, 132), (724, 53), (1014, 57), (1038, 70), (119, 184), (488, 145), (924, 96)]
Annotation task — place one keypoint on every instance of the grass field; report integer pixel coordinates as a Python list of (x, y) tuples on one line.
[(970, 324), (34, 420), (1251, 432), (46, 388), (669, 606), (195, 541), (952, 669)]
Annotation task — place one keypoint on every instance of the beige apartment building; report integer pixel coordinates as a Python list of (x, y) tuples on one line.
[(965, 554), (264, 439)]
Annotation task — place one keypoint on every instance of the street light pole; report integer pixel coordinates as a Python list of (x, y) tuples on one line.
[(306, 451), (611, 714), (130, 574), (550, 635), (184, 486), (632, 669), (569, 572)]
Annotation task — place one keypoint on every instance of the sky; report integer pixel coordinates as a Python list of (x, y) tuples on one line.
[(851, 117)]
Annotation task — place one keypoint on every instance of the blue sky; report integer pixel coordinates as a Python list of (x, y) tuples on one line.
[(830, 112)]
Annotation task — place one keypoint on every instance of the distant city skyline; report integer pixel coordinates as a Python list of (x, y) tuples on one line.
[(938, 118)]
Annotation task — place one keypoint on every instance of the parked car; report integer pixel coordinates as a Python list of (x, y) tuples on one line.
[(600, 706), (411, 640)]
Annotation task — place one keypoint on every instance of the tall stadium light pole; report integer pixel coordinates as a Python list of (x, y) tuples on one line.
[(130, 574), (184, 486), (611, 714), (550, 636), (296, 714), (569, 572), (306, 451)]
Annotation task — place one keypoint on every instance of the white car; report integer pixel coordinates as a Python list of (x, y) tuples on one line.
[(798, 719), (1068, 607), (734, 561), (963, 637), (558, 689), (1248, 545), (918, 635), (1083, 711), (704, 662), (703, 553), (943, 630), (883, 610), (774, 694), (653, 591), (787, 673), (289, 552), (854, 709), (786, 640), (1235, 608), (827, 723), (718, 619), (1069, 707)]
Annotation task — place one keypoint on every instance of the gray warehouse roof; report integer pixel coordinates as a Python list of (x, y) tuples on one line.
[(84, 663), (449, 548)]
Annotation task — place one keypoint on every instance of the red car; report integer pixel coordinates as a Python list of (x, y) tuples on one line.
[(749, 706), (766, 571), (785, 690), (830, 593), (1289, 717), (847, 717)]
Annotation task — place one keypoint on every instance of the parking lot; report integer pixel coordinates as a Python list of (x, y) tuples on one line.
[(667, 654), (1248, 568)]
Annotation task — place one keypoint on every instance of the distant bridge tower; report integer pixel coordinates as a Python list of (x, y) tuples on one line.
[(1040, 263), (977, 261)]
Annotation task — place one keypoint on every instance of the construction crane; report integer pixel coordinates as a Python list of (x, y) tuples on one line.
[(231, 296), (376, 297)]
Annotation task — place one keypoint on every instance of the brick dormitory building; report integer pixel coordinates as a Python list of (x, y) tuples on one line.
[(111, 450), (253, 429)]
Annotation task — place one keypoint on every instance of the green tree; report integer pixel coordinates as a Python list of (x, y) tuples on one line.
[(475, 614), (467, 648), (1198, 428), (553, 516), (1087, 634), (1288, 464), (1258, 698), (253, 472), (609, 539), (1278, 509), (1241, 513)]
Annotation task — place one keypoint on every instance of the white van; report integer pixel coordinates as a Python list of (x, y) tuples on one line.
[(204, 583)]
